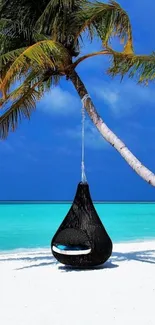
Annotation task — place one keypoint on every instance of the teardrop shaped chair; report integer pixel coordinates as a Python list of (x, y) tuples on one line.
[(81, 240)]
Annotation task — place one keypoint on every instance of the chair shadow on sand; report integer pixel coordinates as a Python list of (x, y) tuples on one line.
[(145, 256)]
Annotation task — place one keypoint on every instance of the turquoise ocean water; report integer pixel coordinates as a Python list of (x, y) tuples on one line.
[(32, 225)]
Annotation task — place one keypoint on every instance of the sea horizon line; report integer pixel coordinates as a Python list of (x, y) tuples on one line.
[(70, 201)]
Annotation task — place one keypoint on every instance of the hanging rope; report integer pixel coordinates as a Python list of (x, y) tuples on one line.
[(83, 174)]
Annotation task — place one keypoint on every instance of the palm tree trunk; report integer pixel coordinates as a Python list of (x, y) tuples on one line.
[(108, 135)]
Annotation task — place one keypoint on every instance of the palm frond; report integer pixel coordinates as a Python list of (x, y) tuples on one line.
[(22, 108), (42, 80), (22, 15), (142, 67), (53, 14), (7, 59), (40, 37), (24, 99), (10, 56), (107, 20), (44, 54), (56, 19)]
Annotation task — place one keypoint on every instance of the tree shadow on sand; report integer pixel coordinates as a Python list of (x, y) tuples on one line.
[(27, 258), (31, 260), (145, 256), (53, 262)]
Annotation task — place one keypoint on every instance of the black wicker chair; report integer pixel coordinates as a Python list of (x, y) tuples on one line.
[(81, 240)]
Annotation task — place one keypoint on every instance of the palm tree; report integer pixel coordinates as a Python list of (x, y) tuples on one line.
[(40, 44)]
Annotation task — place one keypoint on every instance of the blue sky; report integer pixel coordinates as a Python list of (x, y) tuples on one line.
[(42, 160)]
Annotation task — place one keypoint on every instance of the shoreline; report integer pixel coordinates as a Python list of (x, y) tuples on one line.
[(47, 248)]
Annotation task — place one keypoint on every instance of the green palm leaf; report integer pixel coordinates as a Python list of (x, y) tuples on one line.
[(24, 99), (23, 107), (55, 14), (10, 56), (42, 80), (142, 67), (105, 19), (7, 59), (44, 54)]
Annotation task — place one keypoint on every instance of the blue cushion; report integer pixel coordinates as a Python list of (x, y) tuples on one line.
[(71, 248)]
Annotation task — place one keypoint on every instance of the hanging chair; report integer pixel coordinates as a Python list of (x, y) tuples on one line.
[(81, 240)]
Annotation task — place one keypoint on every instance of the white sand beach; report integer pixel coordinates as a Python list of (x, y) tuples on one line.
[(35, 290)]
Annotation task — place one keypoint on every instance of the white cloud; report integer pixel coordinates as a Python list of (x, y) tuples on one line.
[(123, 98), (59, 101), (93, 139), (111, 97)]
